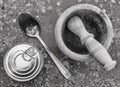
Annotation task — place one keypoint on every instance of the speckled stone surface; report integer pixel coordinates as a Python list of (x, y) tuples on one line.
[(84, 74)]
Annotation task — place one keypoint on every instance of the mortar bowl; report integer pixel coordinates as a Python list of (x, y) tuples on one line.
[(96, 22)]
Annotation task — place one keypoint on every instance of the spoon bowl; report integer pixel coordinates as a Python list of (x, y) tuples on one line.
[(32, 31), (26, 21)]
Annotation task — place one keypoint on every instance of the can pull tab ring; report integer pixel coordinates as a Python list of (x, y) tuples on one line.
[(28, 55)]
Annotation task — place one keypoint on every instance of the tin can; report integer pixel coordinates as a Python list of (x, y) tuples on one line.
[(23, 62)]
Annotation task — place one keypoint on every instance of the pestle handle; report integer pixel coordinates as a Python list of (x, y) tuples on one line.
[(94, 47), (100, 53)]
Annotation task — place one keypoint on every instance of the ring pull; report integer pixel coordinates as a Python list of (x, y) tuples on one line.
[(28, 54)]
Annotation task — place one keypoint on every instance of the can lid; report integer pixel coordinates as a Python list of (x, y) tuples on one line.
[(23, 62)]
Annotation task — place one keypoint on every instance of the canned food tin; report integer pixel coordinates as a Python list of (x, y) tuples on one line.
[(23, 62)]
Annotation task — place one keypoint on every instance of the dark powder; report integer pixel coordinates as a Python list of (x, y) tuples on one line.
[(93, 23)]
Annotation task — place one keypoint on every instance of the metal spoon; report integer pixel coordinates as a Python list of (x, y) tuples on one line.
[(33, 31)]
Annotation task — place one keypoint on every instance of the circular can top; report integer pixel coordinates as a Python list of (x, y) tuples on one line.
[(23, 62)]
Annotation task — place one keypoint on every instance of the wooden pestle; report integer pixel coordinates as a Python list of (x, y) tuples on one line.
[(94, 47)]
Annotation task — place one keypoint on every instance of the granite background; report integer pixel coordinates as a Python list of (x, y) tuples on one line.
[(84, 74)]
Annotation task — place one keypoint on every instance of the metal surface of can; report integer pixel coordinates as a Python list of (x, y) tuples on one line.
[(23, 62)]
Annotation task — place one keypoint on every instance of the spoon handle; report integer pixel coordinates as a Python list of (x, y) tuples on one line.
[(60, 66)]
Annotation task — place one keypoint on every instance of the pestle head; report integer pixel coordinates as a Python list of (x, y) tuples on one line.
[(76, 25)]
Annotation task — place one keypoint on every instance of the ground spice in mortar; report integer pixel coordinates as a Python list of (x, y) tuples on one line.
[(93, 23)]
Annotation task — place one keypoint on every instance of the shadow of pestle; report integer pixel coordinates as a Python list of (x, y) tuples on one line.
[(76, 25)]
